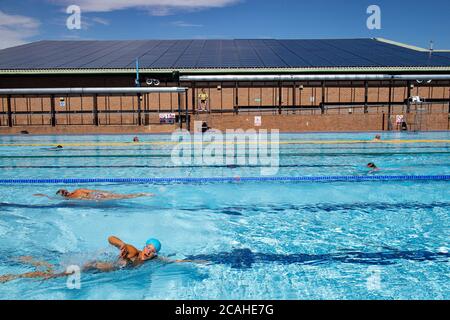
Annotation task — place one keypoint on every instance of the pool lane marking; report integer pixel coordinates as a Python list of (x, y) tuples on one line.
[(123, 144), (231, 179), (311, 154)]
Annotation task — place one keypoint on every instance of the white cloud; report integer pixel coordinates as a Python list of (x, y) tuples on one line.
[(183, 24), (156, 7), (99, 20), (88, 22), (16, 29)]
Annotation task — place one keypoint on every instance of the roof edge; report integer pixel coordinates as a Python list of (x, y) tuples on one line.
[(221, 70), (408, 46)]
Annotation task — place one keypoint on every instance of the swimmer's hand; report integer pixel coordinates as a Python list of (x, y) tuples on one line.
[(164, 259), (128, 251), (123, 252), (137, 195), (192, 261), (7, 278), (41, 195)]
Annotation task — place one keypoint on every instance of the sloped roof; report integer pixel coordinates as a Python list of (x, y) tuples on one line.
[(217, 54)]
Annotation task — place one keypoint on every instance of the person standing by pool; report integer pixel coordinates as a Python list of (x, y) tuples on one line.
[(87, 194), (204, 98)]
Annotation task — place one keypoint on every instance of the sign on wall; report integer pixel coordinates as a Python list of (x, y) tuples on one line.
[(167, 118), (258, 121)]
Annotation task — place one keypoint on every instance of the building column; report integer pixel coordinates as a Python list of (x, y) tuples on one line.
[(52, 110), (8, 102), (95, 105), (408, 100), (366, 96), (188, 119), (193, 98), (389, 127), (280, 96), (180, 122), (322, 106), (236, 98), (139, 109)]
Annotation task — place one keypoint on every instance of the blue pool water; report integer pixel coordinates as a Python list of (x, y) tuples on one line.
[(263, 240)]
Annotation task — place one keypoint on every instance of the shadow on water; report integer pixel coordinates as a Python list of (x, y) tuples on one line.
[(70, 204), (245, 258), (333, 207), (110, 205), (235, 210)]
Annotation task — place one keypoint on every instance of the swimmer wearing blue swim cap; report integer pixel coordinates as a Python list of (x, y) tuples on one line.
[(153, 242), (130, 255)]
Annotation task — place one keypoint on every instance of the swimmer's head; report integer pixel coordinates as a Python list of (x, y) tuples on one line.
[(377, 137), (152, 247), (62, 192), (59, 146), (371, 165)]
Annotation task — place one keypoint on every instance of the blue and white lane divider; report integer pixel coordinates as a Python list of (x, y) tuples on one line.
[(230, 179)]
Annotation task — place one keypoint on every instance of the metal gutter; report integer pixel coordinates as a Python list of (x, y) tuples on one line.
[(118, 90), (224, 70), (328, 77)]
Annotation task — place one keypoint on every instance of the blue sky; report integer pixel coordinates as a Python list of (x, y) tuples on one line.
[(414, 22)]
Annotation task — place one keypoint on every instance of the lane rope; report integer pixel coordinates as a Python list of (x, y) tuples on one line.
[(127, 144), (291, 154), (229, 179)]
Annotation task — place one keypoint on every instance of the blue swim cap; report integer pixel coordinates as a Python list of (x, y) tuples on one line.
[(155, 243)]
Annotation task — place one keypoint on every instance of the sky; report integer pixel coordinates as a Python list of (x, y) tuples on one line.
[(415, 22)]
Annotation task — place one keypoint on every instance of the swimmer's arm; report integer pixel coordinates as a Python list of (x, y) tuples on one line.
[(126, 250), (127, 196), (41, 195), (33, 275), (100, 266), (116, 242), (167, 260), (36, 263)]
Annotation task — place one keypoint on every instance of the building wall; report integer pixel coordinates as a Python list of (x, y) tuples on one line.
[(284, 123), (255, 99), (320, 123)]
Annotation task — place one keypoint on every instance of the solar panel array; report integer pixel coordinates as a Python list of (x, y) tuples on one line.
[(198, 54)]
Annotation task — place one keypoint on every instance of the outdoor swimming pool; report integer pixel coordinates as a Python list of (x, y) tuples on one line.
[(264, 239)]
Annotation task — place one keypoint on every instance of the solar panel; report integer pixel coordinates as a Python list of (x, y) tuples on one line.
[(243, 53), (247, 55), (308, 52)]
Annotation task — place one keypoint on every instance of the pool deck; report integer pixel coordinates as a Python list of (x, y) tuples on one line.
[(284, 123)]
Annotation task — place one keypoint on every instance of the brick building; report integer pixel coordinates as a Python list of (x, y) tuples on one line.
[(291, 85)]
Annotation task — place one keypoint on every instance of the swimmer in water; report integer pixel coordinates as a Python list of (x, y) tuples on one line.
[(129, 257), (135, 139), (97, 195), (57, 148), (377, 138), (373, 167)]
